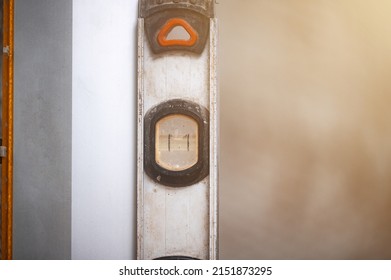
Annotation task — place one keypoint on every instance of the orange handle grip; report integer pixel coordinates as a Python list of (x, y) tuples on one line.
[(163, 33)]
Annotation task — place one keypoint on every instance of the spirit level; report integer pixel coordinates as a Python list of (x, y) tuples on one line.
[(177, 130)]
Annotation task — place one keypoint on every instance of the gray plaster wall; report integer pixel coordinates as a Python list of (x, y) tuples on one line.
[(42, 127)]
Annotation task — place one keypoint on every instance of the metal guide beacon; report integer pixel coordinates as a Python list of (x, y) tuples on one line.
[(177, 168)]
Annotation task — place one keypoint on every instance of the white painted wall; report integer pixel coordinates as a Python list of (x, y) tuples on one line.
[(103, 127)]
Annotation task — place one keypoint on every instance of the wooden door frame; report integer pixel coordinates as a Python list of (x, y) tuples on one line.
[(7, 129)]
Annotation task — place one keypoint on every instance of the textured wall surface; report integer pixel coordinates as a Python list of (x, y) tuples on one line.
[(42, 127), (305, 129)]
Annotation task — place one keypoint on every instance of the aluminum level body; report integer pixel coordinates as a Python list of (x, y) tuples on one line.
[(177, 221)]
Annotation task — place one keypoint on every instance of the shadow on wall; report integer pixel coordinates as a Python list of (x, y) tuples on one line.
[(305, 129)]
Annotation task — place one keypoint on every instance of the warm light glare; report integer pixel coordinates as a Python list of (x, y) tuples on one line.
[(305, 129)]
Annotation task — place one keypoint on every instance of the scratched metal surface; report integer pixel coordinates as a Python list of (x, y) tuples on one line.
[(172, 221)]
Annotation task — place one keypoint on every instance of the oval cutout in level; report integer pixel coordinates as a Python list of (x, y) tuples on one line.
[(176, 142)]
